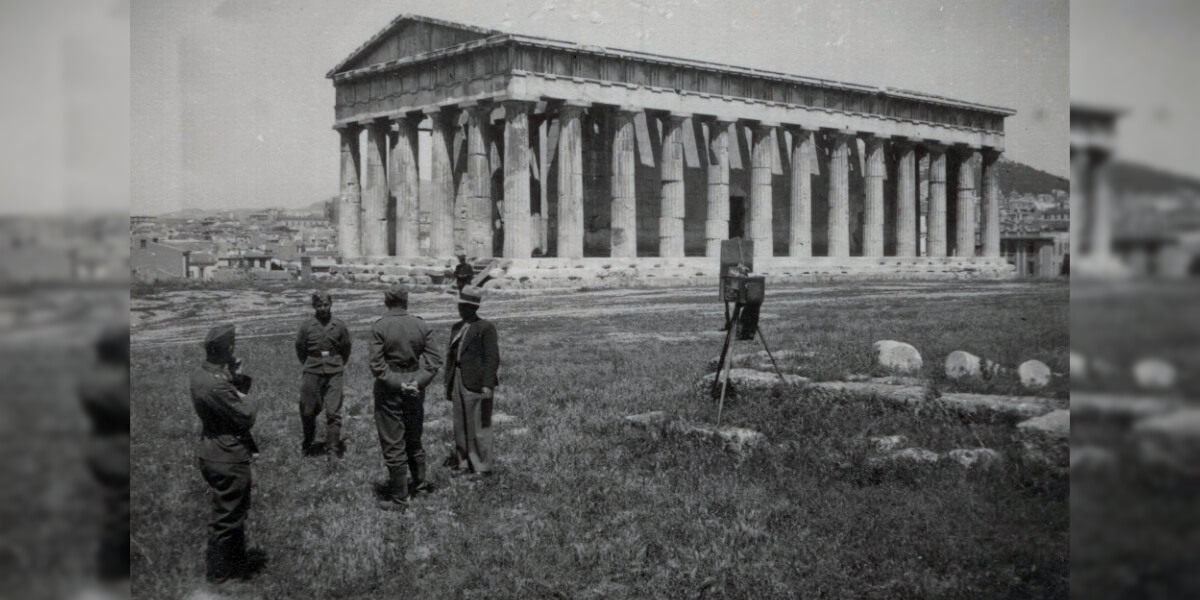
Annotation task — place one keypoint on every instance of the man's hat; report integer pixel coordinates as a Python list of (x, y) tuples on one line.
[(470, 295), (219, 339), (321, 296), (397, 293)]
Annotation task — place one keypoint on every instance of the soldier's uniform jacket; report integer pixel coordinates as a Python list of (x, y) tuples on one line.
[(402, 349), (323, 348), (226, 415), (105, 395)]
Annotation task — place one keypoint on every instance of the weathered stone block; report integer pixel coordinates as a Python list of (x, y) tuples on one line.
[(897, 356), (1045, 439), (1034, 374)]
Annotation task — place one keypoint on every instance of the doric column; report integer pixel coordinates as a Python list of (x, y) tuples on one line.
[(570, 182), (873, 207), (991, 203), (517, 232), (936, 218), (375, 191), (760, 191), (964, 243), (405, 183), (716, 221), (624, 177), (839, 194), (804, 152), (441, 175), (1101, 197), (906, 199), (671, 215), (350, 201), (1078, 216), (478, 239)]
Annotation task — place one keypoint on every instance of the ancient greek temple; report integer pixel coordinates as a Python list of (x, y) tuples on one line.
[(545, 148)]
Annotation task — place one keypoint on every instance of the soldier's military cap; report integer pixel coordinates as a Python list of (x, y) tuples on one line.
[(219, 339), (321, 296), (470, 295), (397, 293)]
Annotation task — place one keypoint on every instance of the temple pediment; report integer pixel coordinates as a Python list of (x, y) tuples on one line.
[(409, 35)]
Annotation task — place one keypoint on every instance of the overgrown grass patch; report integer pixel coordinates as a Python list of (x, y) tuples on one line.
[(586, 506)]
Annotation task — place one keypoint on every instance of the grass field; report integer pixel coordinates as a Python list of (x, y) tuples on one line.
[(1133, 531), (586, 507)]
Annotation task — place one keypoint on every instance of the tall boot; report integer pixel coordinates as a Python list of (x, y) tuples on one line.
[(396, 496), (217, 561), (309, 423), (419, 481), (333, 437)]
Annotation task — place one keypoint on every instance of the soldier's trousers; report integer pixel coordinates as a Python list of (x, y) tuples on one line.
[(230, 483), (317, 393), (399, 417), (109, 463)]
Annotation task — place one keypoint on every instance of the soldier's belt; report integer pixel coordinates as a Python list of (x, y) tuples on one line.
[(319, 354)]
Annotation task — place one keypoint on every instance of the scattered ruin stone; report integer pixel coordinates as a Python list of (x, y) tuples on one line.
[(1092, 460), (1034, 374), (1154, 374), (897, 356), (1171, 441), (1045, 438), (887, 443), (652, 420), (907, 455), (960, 364), (736, 439), (1078, 367), (1120, 409), (897, 380), (517, 432), (901, 394), (755, 379), (975, 457)]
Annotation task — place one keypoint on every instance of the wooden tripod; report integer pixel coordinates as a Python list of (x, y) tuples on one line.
[(724, 365)]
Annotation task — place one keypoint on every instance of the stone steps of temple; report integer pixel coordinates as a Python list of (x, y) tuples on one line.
[(656, 271)]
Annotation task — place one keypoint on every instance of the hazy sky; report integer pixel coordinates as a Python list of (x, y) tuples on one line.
[(231, 108), (1141, 57)]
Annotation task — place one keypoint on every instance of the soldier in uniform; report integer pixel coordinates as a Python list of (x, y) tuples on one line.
[(463, 272), (219, 395), (404, 360), (471, 364), (104, 393), (323, 348)]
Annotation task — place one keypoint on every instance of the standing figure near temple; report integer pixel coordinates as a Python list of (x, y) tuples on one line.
[(104, 392), (463, 272), (220, 397), (323, 348), (404, 360), (470, 377)]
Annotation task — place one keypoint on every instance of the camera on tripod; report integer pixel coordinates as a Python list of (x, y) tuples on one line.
[(741, 287)]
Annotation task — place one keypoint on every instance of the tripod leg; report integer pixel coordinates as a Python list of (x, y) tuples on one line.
[(721, 362), (737, 312), (771, 356)]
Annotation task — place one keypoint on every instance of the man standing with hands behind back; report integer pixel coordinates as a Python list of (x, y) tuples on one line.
[(404, 360), (471, 365), (323, 347)]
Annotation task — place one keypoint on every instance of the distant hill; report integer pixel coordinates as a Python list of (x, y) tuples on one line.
[(1025, 179), (1132, 177)]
